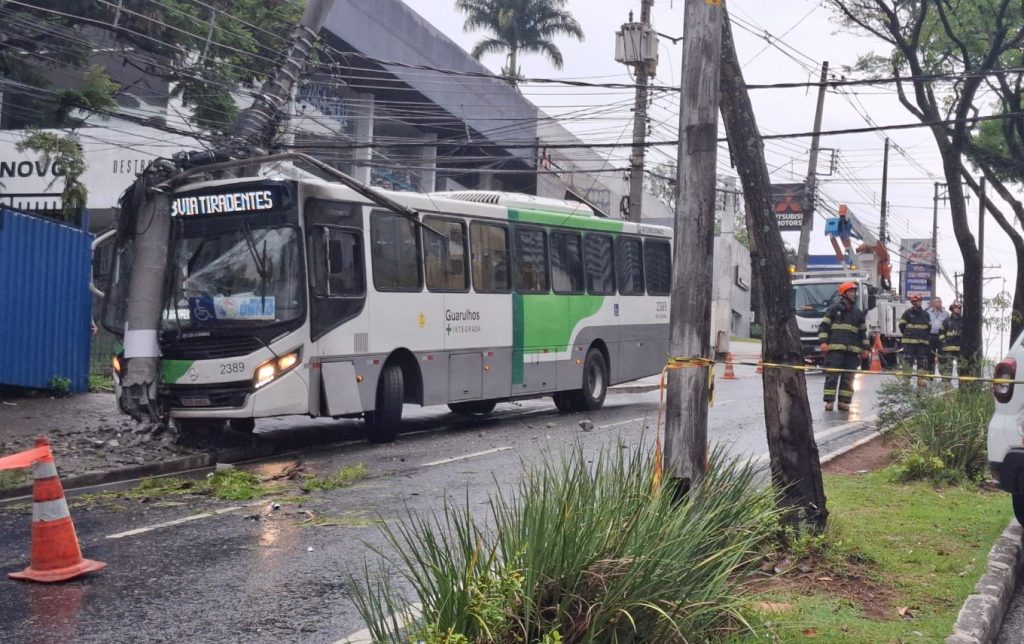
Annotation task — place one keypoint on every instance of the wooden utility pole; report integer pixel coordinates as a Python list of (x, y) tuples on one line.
[(686, 418), (636, 158), (811, 182), (885, 194), (796, 468)]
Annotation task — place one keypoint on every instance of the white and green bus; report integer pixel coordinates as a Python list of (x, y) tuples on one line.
[(304, 297)]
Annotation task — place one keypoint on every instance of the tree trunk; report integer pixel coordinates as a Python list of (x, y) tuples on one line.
[(795, 466), (1017, 309), (971, 339)]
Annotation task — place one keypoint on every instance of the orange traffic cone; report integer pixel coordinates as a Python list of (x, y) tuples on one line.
[(56, 555), (876, 358), (760, 364), (729, 374)]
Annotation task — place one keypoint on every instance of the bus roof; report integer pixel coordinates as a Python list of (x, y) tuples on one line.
[(519, 200)]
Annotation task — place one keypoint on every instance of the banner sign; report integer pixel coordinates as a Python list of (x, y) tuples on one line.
[(789, 201), (918, 257)]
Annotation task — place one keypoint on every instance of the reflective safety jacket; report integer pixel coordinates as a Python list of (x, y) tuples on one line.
[(916, 325), (949, 334), (844, 329)]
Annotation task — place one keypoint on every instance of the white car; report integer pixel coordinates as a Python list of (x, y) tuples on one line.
[(1006, 429)]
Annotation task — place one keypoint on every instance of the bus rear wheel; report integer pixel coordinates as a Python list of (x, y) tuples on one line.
[(595, 382), (383, 422), (473, 407), (591, 395)]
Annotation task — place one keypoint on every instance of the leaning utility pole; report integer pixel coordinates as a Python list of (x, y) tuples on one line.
[(686, 416), (637, 46), (146, 214), (795, 466), (811, 182)]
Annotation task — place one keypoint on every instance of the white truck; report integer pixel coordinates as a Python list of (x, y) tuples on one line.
[(867, 266)]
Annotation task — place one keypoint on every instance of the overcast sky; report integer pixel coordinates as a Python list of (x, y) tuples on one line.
[(806, 36)]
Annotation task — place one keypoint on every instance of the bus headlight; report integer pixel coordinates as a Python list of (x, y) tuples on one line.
[(275, 368), (115, 362)]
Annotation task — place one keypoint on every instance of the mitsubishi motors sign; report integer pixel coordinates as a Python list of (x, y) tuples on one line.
[(789, 202), (113, 159)]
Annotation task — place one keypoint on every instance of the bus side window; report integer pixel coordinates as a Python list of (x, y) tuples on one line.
[(629, 268), (395, 252), (566, 262), (489, 251), (529, 260), (658, 266), (337, 263), (600, 265), (445, 256)]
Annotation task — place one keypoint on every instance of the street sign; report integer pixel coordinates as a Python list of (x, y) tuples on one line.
[(789, 204)]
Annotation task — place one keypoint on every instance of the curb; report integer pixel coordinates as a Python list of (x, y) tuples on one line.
[(981, 616), (632, 389)]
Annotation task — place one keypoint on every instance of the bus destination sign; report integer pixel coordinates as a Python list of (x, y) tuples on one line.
[(223, 203)]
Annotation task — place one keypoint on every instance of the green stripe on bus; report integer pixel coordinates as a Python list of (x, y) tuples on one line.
[(544, 320), (172, 370), (565, 220)]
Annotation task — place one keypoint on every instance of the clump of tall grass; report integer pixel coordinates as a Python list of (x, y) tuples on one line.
[(579, 552), (945, 432)]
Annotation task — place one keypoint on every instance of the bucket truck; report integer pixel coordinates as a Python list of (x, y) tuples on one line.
[(868, 265)]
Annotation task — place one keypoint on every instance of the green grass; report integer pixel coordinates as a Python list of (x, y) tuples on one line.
[(99, 383), (928, 545), (945, 433), (13, 478), (581, 550), (344, 477)]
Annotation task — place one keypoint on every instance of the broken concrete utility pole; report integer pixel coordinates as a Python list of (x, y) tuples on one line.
[(686, 416), (795, 466), (146, 217)]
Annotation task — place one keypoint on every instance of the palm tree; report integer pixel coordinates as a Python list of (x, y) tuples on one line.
[(526, 26)]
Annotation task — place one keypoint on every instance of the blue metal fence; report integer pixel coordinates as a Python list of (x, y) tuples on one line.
[(45, 302)]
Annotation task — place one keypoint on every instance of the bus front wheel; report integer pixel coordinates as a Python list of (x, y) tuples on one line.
[(383, 422)]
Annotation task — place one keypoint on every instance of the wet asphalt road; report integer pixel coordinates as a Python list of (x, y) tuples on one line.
[(243, 572)]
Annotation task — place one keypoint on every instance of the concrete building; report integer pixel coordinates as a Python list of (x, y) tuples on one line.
[(394, 102)]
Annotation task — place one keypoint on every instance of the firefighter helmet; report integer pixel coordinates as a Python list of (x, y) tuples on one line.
[(916, 297), (846, 286)]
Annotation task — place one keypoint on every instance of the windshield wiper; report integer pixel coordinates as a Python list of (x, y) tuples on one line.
[(259, 259)]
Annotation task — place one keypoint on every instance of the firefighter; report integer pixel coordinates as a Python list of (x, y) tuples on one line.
[(915, 325), (949, 334), (843, 335)]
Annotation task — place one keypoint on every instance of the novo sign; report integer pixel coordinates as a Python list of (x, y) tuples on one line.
[(10, 169), (113, 158)]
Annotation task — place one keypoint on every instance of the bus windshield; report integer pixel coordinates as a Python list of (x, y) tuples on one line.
[(811, 300), (239, 276)]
